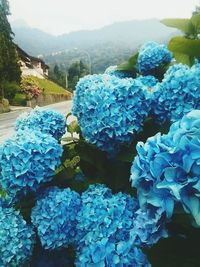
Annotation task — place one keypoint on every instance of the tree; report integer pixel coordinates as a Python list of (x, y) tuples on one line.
[(58, 75), (196, 11), (76, 70), (9, 67)]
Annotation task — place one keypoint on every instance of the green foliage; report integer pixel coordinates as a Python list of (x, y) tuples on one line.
[(58, 75), (76, 70), (10, 90), (185, 48), (130, 65), (184, 25), (48, 87), (73, 127), (9, 68), (19, 100), (95, 164)]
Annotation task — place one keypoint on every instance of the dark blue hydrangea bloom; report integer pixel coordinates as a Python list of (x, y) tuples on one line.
[(16, 238), (177, 94), (149, 81), (152, 55), (46, 120), (28, 160), (149, 226), (55, 217), (104, 225), (166, 171), (110, 110), (112, 70)]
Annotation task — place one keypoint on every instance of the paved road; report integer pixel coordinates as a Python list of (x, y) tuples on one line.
[(7, 120)]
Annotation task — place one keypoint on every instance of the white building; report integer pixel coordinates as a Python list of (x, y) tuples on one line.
[(32, 65)]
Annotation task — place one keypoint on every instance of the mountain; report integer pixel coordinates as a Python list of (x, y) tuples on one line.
[(100, 48), (128, 33)]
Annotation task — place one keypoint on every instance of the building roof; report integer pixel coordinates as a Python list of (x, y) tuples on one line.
[(27, 58)]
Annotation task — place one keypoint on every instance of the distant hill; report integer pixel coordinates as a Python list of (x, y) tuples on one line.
[(129, 33), (106, 46)]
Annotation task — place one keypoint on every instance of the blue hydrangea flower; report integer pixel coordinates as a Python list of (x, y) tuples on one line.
[(149, 81), (106, 254), (16, 238), (104, 224), (110, 110), (98, 202), (177, 94), (46, 120), (166, 171), (152, 55), (112, 70), (149, 226), (28, 160), (55, 217)]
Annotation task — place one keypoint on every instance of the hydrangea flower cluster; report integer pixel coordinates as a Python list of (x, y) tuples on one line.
[(54, 216), (177, 94), (28, 160), (46, 120), (149, 226), (105, 254), (112, 70), (104, 224), (149, 81), (152, 55), (110, 110), (16, 238), (166, 171)]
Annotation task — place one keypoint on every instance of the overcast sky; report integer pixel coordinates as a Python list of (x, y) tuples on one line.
[(62, 16)]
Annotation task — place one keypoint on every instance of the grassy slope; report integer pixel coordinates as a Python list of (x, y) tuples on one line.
[(50, 87)]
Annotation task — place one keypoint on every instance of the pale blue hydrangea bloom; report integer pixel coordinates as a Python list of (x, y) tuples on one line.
[(110, 110), (112, 70), (166, 171), (45, 120), (177, 94), (16, 238), (152, 55), (27, 161), (55, 217)]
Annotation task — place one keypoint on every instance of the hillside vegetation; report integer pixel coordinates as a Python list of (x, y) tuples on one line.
[(32, 86), (49, 87)]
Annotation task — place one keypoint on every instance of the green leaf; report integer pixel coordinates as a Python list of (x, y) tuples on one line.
[(127, 153), (185, 25), (185, 46), (68, 115), (130, 65), (196, 22), (69, 139), (73, 127), (183, 58)]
